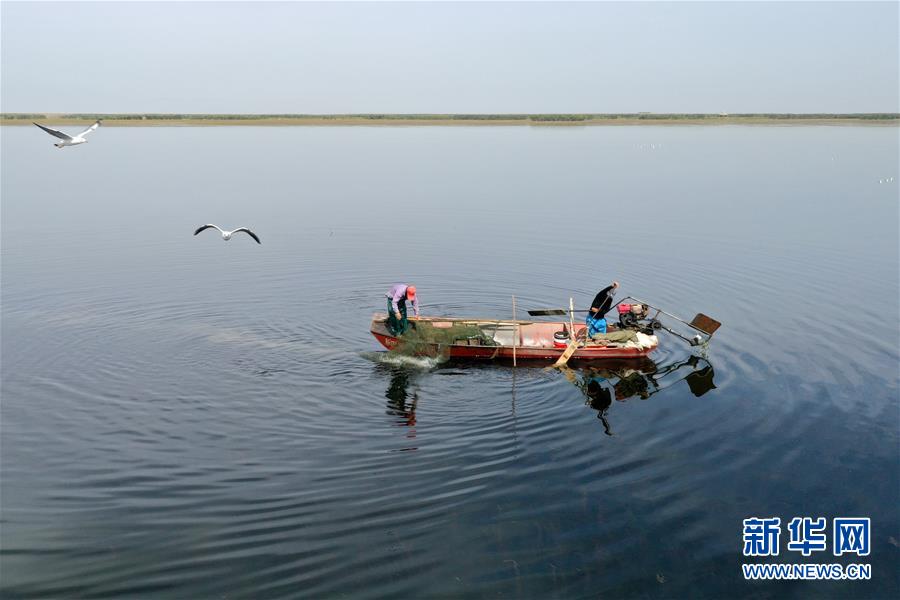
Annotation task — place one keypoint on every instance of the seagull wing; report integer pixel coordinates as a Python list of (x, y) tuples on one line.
[(248, 232), (90, 129), (199, 229), (53, 132)]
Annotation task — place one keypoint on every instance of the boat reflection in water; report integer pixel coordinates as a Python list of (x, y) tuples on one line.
[(402, 397), (400, 402), (600, 382), (600, 385)]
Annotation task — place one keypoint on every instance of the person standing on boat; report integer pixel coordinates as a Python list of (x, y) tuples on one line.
[(596, 317), (604, 299), (396, 305)]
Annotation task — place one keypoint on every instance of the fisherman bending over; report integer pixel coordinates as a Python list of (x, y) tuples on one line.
[(596, 321), (396, 305)]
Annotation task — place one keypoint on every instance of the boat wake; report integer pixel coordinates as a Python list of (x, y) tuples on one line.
[(397, 359)]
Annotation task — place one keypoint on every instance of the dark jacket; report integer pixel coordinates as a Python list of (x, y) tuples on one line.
[(603, 300)]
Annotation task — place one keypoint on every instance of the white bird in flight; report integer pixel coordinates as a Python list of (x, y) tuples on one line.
[(226, 235), (68, 140)]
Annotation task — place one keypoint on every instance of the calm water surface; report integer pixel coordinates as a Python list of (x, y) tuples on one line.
[(184, 417)]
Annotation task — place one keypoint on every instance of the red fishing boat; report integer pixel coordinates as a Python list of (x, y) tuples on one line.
[(477, 338), (633, 336)]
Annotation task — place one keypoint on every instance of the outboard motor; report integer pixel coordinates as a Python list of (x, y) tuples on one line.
[(630, 314)]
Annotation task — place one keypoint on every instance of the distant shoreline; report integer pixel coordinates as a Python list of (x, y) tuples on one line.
[(568, 119)]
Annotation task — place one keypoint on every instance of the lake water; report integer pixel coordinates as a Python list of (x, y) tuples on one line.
[(184, 417)]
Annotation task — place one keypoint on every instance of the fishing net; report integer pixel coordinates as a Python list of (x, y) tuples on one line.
[(624, 335), (424, 339)]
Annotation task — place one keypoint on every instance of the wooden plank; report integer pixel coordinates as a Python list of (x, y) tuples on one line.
[(567, 354), (705, 324)]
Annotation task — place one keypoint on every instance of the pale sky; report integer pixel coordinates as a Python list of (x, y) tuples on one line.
[(298, 57)]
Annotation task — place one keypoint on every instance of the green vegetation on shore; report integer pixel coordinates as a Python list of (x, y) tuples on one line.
[(375, 118)]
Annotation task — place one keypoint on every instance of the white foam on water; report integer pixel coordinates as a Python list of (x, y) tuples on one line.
[(403, 360)]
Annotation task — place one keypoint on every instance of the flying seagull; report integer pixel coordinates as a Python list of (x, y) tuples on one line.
[(226, 235), (68, 140)]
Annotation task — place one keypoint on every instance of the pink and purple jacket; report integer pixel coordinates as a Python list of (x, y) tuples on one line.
[(398, 293)]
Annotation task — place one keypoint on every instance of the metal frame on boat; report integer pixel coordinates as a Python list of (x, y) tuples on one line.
[(704, 326)]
